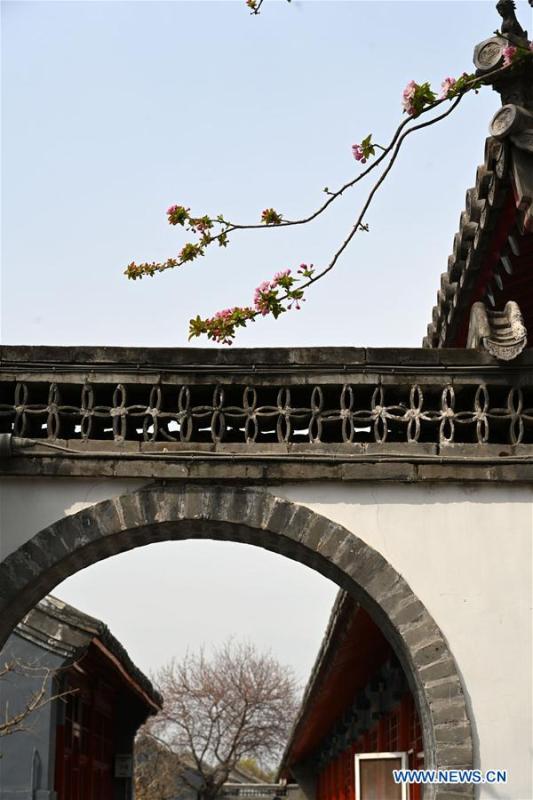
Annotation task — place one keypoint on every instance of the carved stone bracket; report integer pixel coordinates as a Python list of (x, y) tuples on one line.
[(502, 333), (514, 85), (488, 54), (516, 123)]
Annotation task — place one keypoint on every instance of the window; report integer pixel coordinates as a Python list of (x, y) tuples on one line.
[(373, 776), (392, 734)]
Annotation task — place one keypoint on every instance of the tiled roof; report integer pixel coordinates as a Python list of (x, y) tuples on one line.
[(492, 258), (62, 629), (494, 243), (340, 606)]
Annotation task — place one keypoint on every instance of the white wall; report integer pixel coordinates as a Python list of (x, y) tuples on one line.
[(466, 552), (29, 504)]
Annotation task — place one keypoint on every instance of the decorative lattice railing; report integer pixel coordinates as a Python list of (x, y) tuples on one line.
[(279, 403)]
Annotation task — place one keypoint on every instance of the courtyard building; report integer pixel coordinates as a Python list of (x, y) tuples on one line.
[(79, 743)]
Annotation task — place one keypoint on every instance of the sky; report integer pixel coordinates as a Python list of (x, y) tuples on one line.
[(111, 112)]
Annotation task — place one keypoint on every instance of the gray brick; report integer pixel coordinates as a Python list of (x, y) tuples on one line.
[(400, 593), (281, 516), (103, 518), (51, 543), (267, 507), (220, 501), (333, 536), (452, 733), (259, 503), (131, 510), (77, 531), (448, 711), (383, 581), (444, 668), (299, 525), (367, 565), (446, 689), (40, 554), (214, 497), (420, 632), (348, 553), (313, 532), (195, 502), (454, 755), (15, 573), (429, 652), (408, 611), (154, 506)]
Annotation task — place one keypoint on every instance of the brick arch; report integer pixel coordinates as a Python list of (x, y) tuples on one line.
[(252, 516)]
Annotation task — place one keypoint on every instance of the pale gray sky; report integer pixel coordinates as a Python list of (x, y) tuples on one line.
[(114, 110)]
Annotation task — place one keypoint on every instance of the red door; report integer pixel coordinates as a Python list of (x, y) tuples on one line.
[(85, 742)]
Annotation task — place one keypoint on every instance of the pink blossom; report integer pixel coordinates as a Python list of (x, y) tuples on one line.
[(262, 288), (172, 209), (446, 85), (508, 53), (358, 154), (408, 96), (279, 276), (223, 315), (260, 301)]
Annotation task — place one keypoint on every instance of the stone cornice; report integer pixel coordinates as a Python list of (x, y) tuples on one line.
[(266, 415)]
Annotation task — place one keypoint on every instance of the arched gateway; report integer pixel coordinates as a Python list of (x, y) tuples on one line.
[(175, 511)]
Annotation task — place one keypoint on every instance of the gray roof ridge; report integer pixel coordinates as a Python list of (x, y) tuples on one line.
[(72, 635)]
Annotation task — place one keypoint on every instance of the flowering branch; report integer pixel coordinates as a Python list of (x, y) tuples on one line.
[(515, 51), (270, 217), (282, 293), (286, 290), (268, 299)]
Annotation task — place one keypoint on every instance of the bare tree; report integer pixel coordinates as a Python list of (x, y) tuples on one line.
[(16, 721), (217, 711)]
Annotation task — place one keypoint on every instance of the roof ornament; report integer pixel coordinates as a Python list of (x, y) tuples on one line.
[(515, 85), (502, 333), (511, 28)]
